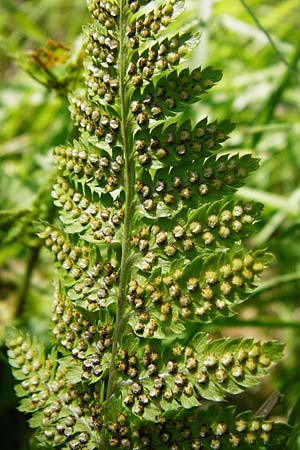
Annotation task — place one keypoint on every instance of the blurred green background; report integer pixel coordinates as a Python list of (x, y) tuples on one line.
[(257, 45)]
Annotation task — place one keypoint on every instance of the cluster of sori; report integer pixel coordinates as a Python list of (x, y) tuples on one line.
[(223, 222), (186, 171), (68, 255), (99, 167), (148, 25), (212, 289), (179, 275), (98, 223), (163, 54), (196, 183), (90, 282), (198, 431), (105, 12), (176, 144), (227, 432), (103, 47), (68, 414), (103, 86), (171, 94), (85, 341), (157, 380), (89, 119), (103, 51)]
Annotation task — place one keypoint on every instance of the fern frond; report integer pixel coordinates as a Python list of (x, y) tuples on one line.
[(150, 241)]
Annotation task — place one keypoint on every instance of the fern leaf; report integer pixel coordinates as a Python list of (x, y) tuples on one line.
[(149, 243)]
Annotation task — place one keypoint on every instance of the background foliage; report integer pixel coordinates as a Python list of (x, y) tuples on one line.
[(259, 55)]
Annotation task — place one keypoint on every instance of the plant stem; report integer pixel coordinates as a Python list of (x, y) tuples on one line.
[(266, 408), (128, 185)]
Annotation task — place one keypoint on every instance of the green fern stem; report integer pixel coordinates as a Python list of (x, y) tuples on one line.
[(126, 134)]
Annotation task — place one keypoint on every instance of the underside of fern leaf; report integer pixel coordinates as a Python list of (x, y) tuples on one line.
[(150, 241)]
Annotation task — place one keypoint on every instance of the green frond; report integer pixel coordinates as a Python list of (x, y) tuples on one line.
[(149, 242)]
